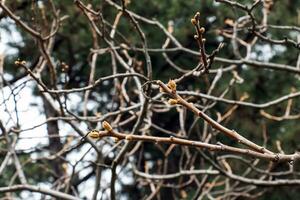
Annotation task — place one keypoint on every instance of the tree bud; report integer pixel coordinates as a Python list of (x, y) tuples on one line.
[(194, 21), (172, 85), (202, 30), (106, 126), (173, 101), (94, 134)]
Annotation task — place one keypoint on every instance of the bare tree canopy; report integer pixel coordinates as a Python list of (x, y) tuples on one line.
[(149, 99)]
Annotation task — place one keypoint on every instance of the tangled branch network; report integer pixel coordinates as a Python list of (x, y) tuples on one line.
[(164, 117)]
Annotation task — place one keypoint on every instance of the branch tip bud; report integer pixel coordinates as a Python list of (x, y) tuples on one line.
[(106, 126), (116, 140), (94, 134), (194, 21), (197, 15), (202, 30), (172, 85), (172, 101)]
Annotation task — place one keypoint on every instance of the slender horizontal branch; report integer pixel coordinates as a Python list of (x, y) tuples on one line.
[(242, 103), (73, 90), (203, 145), (38, 189), (252, 181), (293, 28), (97, 82), (253, 63), (278, 182), (176, 175)]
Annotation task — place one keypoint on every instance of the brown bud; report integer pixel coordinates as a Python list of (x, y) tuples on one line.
[(203, 40), (161, 89), (123, 46), (194, 21), (202, 30), (94, 134), (116, 139), (197, 15), (98, 114), (23, 62), (293, 90), (183, 194), (64, 67), (128, 137), (229, 22), (17, 62), (65, 167), (245, 96), (106, 126), (172, 85), (70, 139), (172, 101), (170, 26), (196, 37)]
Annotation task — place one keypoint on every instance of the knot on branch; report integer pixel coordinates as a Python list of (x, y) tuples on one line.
[(276, 158)]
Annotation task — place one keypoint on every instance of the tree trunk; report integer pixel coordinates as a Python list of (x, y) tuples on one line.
[(55, 144)]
